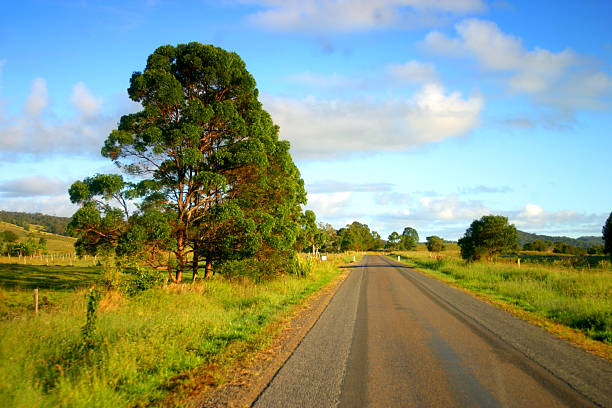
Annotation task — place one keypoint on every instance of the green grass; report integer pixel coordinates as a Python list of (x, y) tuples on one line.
[(56, 284), (578, 298), (56, 244), (145, 345)]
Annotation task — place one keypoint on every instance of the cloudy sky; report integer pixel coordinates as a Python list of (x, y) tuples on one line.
[(422, 113)]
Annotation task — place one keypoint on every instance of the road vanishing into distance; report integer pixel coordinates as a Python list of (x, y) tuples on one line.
[(392, 337)]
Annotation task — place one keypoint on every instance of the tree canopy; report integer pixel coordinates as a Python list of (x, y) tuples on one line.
[(210, 179), (358, 237), (435, 244), (607, 235), (488, 236), (409, 239)]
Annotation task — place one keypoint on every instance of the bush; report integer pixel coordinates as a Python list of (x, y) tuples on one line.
[(136, 279)]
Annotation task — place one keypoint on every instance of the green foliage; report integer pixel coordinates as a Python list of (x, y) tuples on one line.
[(409, 239), (538, 245), (9, 236), (50, 223), (435, 244), (310, 238), (26, 248), (393, 241), (89, 329), (136, 279), (358, 237), (563, 248), (329, 237), (607, 235), (213, 181), (583, 242), (596, 250), (301, 266), (488, 236)]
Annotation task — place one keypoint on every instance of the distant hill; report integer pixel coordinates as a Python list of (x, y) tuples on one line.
[(583, 242), (37, 221)]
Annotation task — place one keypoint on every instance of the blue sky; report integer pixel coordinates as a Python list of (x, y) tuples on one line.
[(400, 112)]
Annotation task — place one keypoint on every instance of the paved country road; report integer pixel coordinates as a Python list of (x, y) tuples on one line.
[(392, 337)]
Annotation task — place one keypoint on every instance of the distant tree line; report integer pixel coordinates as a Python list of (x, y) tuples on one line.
[(562, 248), (325, 238), (582, 242), (407, 241), (50, 223)]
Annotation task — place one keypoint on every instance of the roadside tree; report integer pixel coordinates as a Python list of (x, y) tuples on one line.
[(435, 244), (393, 241), (488, 236), (607, 235), (409, 239), (204, 164)]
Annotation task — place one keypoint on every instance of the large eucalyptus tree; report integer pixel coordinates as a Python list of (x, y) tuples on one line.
[(211, 178)]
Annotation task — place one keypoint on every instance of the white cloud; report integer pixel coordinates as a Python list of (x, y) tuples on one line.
[(84, 101), (328, 204), (534, 218), (32, 187), (357, 15), (437, 116), (39, 135), (413, 72), (321, 129), (531, 211), (59, 205), (449, 208), (564, 79), (38, 98)]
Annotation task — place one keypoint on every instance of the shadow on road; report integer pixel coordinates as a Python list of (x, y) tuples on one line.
[(374, 266)]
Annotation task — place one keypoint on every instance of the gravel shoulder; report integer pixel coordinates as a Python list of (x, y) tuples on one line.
[(252, 378)]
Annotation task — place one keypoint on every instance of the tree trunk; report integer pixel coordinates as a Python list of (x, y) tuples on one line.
[(180, 257), (208, 268), (195, 264), (172, 278)]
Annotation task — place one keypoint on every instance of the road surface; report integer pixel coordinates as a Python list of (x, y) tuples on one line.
[(392, 337)]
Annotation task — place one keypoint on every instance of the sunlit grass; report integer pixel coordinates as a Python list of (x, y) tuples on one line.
[(144, 344)]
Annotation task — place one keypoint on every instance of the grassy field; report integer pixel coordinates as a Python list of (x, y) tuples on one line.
[(577, 297), (145, 347), (56, 244)]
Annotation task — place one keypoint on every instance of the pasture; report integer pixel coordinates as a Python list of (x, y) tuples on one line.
[(153, 348)]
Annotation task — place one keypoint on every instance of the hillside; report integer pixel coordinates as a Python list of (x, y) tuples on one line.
[(584, 242), (56, 244), (37, 221)]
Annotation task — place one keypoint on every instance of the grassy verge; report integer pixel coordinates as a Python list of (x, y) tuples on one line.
[(144, 347), (579, 299)]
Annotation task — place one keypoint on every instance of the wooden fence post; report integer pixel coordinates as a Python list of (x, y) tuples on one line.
[(36, 301)]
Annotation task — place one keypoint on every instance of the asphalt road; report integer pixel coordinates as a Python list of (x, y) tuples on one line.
[(392, 337)]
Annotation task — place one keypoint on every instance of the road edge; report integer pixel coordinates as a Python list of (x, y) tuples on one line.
[(295, 329)]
